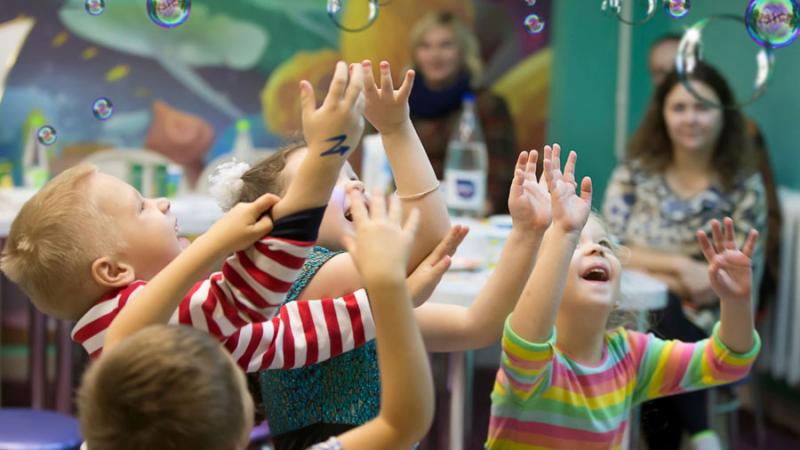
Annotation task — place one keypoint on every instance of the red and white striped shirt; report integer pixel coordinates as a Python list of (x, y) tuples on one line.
[(242, 306)]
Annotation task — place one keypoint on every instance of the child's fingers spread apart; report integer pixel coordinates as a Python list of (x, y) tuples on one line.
[(569, 167), (586, 189), (395, 210), (705, 245), (308, 101), (369, 79), (730, 240), (357, 208), (408, 83), (338, 83), (356, 87), (386, 77), (377, 205), (750, 243), (716, 234)]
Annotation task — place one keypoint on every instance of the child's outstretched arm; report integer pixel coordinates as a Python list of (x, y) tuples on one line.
[(387, 110), (156, 303), (447, 328), (670, 367), (731, 276), (534, 316), (331, 131), (380, 250)]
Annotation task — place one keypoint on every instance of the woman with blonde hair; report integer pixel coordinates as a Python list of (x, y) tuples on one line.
[(446, 57)]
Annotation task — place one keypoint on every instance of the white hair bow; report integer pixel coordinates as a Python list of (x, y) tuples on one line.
[(225, 184)]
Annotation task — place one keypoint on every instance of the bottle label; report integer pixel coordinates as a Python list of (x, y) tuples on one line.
[(465, 189)]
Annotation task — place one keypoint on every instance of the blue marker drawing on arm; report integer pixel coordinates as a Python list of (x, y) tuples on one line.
[(337, 147)]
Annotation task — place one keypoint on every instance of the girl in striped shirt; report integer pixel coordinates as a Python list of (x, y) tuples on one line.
[(567, 382)]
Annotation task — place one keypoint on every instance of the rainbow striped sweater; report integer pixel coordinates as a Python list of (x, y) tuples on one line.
[(544, 400)]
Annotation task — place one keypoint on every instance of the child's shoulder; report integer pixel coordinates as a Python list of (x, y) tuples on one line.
[(625, 340)]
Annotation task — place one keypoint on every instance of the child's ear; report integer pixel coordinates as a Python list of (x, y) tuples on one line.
[(110, 273)]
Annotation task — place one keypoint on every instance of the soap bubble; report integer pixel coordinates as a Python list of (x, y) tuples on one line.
[(677, 8), (640, 10), (95, 7), (102, 108), (168, 13), (46, 135), (717, 41), (353, 15), (773, 23), (534, 24), (530, 2)]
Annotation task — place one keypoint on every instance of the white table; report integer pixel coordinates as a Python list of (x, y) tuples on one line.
[(640, 293)]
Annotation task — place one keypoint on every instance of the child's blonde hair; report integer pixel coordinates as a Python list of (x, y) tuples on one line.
[(165, 387), (467, 42), (54, 239)]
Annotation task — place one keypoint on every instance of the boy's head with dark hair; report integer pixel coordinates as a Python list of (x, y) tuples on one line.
[(165, 387)]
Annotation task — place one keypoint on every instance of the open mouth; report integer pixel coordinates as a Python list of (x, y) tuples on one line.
[(596, 273)]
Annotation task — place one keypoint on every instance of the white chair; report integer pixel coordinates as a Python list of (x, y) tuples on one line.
[(119, 162)]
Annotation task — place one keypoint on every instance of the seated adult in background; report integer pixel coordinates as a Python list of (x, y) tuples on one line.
[(445, 56), (660, 62), (686, 164)]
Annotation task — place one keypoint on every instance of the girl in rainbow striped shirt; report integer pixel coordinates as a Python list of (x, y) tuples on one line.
[(573, 389)]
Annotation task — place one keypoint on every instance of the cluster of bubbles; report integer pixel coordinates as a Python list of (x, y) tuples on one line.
[(95, 7), (533, 23), (102, 108), (337, 8), (168, 13), (46, 135), (773, 23)]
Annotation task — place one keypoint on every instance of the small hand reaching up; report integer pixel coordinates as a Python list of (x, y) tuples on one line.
[(528, 199), (729, 268), (386, 109), (381, 248), (570, 211)]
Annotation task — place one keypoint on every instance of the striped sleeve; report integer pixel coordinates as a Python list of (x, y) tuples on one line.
[(525, 367), (303, 333), (669, 367)]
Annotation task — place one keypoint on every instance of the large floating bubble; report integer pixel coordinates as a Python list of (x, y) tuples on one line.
[(46, 135), (533, 24), (677, 8), (168, 13), (773, 23), (724, 47), (102, 108), (353, 15), (635, 12)]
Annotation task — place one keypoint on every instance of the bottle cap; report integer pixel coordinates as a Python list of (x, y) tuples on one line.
[(469, 97)]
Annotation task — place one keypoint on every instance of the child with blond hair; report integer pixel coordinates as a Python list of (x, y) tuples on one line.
[(85, 246), (174, 388)]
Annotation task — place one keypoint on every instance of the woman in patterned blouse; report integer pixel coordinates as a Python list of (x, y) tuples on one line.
[(687, 163)]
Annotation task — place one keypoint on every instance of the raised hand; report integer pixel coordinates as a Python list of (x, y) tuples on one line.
[(335, 128), (386, 108), (570, 211), (381, 248), (424, 279), (243, 225), (729, 268), (528, 200)]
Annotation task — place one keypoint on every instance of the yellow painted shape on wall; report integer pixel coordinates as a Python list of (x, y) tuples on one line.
[(89, 53), (117, 72), (59, 39), (388, 38), (280, 98), (526, 90)]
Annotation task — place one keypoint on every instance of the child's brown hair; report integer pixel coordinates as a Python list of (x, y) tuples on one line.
[(53, 241), (165, 387), (265, 176)]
